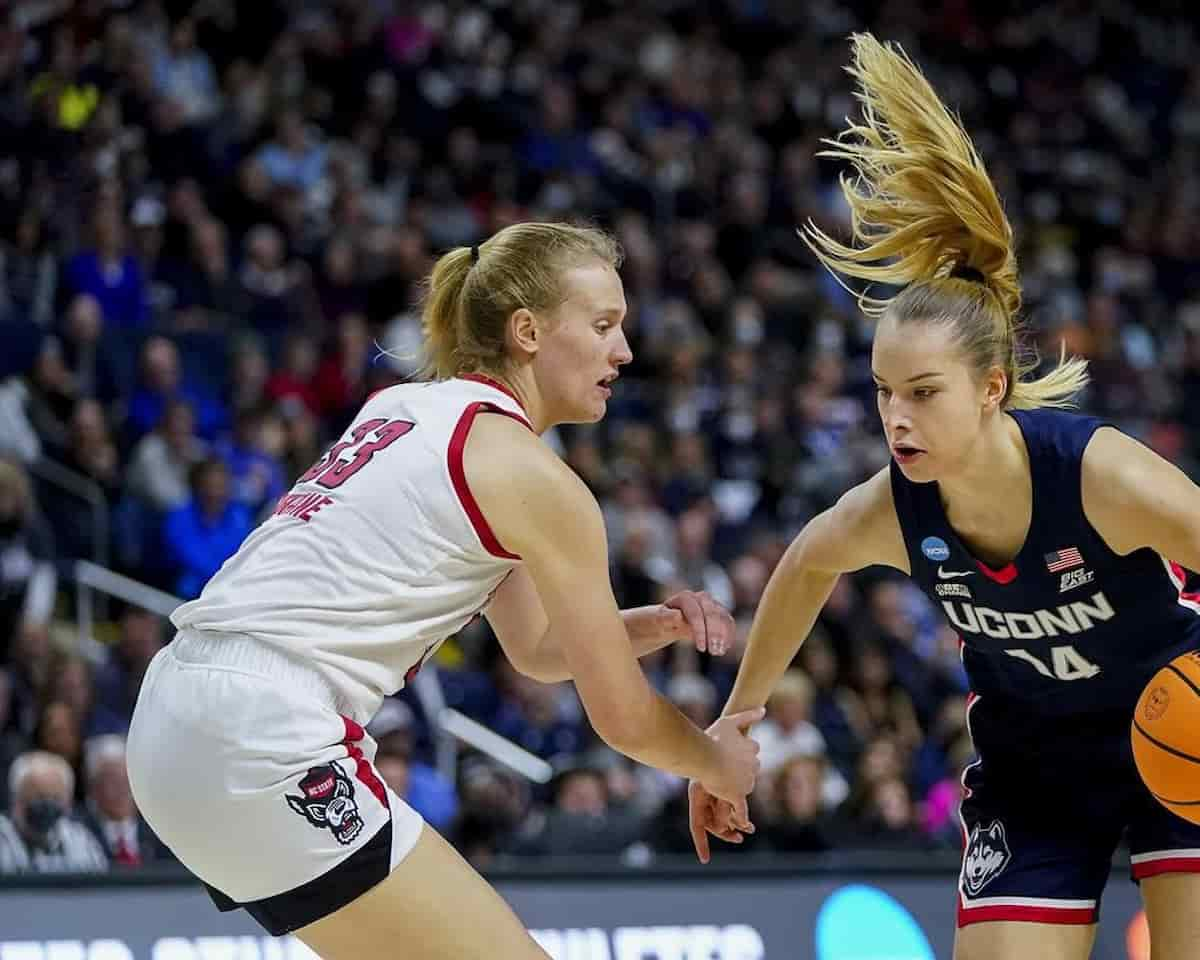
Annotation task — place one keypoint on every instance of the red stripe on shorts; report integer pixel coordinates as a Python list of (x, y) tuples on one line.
[(1066, 915), (363, 769), (1152, 868)]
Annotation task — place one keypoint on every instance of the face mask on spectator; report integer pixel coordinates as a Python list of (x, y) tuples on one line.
[(43, 814)]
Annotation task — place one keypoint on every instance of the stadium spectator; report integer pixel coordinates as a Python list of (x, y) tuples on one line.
[(39, 835), (203, 533), (109, 811)]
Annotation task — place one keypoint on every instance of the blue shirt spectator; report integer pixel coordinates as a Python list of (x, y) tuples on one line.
[(111, 275), (292, 158), (258, 478), (161, 383), (206, 531)]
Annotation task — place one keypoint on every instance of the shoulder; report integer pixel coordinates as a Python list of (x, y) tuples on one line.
[(78, 838), (502, 448), (1062, 435), (1129, 491), (859, 530), (522, 486), (13, 853), (1113, 468)]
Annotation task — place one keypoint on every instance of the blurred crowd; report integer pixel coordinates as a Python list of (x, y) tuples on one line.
[(215, 217)]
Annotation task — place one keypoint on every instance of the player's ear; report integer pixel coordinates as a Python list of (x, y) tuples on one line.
[(995, 388), (522, 333)]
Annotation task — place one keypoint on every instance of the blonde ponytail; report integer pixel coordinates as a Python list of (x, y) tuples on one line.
[(925, 216), (441, 317)]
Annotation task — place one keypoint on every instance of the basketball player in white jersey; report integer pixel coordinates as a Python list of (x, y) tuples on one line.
[(247, 753)]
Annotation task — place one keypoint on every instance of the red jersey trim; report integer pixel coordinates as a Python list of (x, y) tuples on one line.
[(495, 384), (1004, 575), (458, 475)]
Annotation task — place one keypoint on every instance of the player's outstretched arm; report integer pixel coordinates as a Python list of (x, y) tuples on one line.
[(522, 627), (859, 530), (541, 510), (1134, 498)]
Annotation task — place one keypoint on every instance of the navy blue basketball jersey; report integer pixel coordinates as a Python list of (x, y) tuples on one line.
[(1069, 626)]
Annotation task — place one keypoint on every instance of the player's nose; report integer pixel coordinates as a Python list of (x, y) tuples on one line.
[(895, 416), (622, 354)]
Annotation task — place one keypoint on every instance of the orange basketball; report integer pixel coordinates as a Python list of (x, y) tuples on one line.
[(1166, 736)]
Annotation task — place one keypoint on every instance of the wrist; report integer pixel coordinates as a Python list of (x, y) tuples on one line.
[(640, 620)]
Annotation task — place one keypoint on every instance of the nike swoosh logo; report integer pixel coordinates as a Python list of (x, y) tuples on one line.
[(951, 574)]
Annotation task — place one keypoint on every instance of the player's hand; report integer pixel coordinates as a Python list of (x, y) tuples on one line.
[(737, 761), (694, 615), (708, 814)]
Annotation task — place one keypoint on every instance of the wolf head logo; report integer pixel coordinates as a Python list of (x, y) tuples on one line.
[(328, 801), (986, 855)]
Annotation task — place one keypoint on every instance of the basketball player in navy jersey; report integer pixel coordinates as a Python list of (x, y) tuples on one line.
[(1051, 541)]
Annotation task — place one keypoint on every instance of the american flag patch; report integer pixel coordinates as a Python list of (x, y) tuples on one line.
[(1064, 559)]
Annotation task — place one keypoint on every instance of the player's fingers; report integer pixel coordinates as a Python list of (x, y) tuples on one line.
[(730, 819), (699, 833), (747, 718), (718, 626), (687, 604), (741, 812)]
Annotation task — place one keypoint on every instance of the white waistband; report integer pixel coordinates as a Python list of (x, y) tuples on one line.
[(254, 655)]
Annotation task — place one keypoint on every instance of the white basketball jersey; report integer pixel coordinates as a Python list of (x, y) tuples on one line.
[(378, 553)]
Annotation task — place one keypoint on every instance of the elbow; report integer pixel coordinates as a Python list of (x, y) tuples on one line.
[(624, 728), (623, 737), (541, 672)]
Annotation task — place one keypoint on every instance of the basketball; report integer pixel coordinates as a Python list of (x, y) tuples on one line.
[(1166, 736)]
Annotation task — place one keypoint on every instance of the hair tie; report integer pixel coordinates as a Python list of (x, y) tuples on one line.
[(474, 254), (965, 271)]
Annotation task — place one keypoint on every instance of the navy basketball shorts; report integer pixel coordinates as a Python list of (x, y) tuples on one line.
[(245, 764), (1045, 807)]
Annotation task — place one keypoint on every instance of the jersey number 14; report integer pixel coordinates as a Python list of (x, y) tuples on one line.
[(1066, 663)]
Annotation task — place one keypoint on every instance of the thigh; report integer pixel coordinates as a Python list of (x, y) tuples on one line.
[(433, 906), (1006, 940), (1173, 914)]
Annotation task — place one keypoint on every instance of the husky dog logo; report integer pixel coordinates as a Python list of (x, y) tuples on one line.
[(987, 854), (328, 801)]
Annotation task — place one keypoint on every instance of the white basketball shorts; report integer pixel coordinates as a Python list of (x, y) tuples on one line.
[(246, 764)]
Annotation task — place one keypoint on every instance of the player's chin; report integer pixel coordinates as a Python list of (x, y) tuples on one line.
[(595, 406), (918, 469)]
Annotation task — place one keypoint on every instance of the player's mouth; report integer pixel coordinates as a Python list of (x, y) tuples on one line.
[(906, 453), (605, 385)]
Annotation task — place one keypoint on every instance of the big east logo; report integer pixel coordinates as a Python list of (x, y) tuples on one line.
[(328, 801)]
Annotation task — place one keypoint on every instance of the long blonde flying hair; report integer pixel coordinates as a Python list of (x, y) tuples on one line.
[(925, 215)]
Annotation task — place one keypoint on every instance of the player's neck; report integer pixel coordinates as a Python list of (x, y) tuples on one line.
[(522, 385), (995, 481)]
